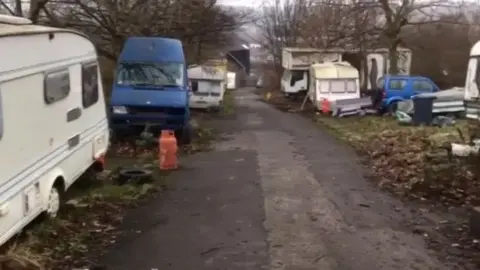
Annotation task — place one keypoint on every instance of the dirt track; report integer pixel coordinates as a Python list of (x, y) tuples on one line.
[(279, 194)]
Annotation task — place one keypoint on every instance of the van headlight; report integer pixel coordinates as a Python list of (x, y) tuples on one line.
[(119, 110)]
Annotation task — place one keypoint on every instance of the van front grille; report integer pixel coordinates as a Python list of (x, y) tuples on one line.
[(150, 110)]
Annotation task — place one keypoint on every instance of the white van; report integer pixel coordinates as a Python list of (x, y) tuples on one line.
[(53, 123), (294, 81)]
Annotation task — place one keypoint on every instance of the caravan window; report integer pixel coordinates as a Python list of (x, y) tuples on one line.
[(324, 86), (337, 86), (56, 86), (194, 86), (89, 84), (343, 86), (351, 86)]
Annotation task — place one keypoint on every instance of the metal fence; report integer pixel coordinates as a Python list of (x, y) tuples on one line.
[(448, 106)]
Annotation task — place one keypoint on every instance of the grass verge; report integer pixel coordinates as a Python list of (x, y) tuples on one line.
[(410, 160), (87, 224)]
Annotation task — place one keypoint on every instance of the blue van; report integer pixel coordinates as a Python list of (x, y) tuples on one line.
[(151, 87)]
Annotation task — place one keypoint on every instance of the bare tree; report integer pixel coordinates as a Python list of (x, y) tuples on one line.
[(281, 23), (396, 15), (442, 59)]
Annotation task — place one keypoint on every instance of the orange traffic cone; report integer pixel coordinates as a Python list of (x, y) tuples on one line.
[(325, 106), (167, 150)]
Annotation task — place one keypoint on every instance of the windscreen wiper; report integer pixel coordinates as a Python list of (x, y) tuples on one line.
[(170, 85), (169, 76), (148, 85)]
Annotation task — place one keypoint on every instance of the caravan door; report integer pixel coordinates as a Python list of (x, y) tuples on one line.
[(376, 68), (473, 79)]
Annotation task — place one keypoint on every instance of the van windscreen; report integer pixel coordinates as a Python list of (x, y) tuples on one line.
[(150, 75)]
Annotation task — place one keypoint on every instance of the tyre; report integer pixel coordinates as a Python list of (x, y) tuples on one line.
[(54, 202), (184, 135), (392, 108), (134, 175)]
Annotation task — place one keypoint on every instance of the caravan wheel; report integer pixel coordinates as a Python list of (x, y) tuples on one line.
[(54, 200)]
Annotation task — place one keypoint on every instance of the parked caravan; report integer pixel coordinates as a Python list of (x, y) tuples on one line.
[(472, 84), (372, 65), (296, 63), (333, 81), (53, 123), (207, 87)]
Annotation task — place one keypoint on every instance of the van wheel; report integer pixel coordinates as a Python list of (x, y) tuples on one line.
[(392, 108), (54, 202), (184, 135)]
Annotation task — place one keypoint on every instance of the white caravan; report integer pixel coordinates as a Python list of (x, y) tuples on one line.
[(333, 81), (53, 123), (472, 84), (296, 64), (207, 85)]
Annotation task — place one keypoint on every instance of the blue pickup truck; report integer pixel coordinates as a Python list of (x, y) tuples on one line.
[(395, 88), (151, 87)]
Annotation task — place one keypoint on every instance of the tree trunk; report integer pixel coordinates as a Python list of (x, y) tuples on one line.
[(393, 57), (18, 8)]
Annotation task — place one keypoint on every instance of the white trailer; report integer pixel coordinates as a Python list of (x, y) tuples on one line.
[(296, 63), (207, 87), (333, 81), (53, 122)]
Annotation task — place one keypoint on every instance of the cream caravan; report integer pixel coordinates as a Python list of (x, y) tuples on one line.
[(53, 123), (333, 81)]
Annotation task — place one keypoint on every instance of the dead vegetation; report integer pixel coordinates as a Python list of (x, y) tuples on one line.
[(90, 220), (88, 224), (410, 160)]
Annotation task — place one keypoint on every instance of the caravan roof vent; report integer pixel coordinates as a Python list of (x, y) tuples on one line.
[(6, 19)]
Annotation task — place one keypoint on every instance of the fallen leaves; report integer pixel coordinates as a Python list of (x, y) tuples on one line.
[(410, 160)]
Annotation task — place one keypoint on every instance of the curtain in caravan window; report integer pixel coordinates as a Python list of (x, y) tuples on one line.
[(216, 89), (203, 88), (351, 86), (323, 86), (338, 86)]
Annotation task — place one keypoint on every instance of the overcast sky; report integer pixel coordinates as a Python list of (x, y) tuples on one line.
[(241, 2)]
